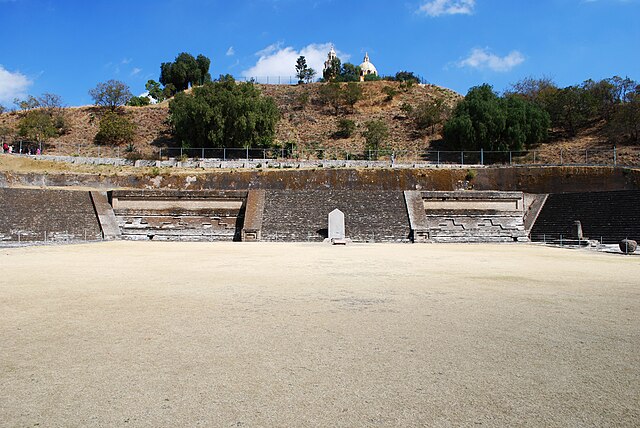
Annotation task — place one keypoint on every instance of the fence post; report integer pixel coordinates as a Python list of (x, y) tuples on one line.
[(481, 156), (534, 157), (561, 160), (203, 153), (615, 157)]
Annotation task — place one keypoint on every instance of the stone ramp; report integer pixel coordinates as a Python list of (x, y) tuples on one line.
[(379, 216), (610, 216), (47, 215)]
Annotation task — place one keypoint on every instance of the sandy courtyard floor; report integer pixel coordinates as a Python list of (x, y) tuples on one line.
[(200, 334)]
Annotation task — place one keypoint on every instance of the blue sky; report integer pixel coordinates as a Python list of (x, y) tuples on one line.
[(66, 47)]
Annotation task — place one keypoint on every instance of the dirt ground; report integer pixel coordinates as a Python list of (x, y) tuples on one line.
[(231, 334)]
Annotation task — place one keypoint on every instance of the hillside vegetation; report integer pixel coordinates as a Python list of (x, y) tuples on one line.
[(343, 117), (305, 120)]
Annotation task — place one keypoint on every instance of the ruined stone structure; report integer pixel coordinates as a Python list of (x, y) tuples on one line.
[(47, 215), (379, 216), (301, 215), (612, 216), (465, 216), (179, 215)]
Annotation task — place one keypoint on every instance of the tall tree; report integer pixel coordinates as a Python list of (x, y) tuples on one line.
[(155, 91), (224, 114), (111, 94), (485, 121), (301, 69), (185, 71)]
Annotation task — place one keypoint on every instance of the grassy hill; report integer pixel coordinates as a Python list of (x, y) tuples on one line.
[(311, 125)]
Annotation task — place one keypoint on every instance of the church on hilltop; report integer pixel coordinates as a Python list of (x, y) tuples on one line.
[(332, 62), (367, 68)]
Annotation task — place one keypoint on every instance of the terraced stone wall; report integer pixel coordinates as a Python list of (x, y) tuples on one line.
[(379, 216), (606, 216), (47, 215), (173, 215)]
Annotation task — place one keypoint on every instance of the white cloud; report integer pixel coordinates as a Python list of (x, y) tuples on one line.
[(12, 85), (136, 71), (482, 58), (275, 60), (230, 51), (447, 7)]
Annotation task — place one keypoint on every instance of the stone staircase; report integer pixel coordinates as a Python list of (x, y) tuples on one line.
[(607, 216), (47, 215), (179, 215), (379, 216)]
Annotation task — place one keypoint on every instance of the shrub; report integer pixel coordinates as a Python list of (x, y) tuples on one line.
[(346, 128), (115, 129)]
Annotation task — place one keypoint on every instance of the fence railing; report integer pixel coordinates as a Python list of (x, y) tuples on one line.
[(624, 156), (568, 240), (605, 157), (290, 80)]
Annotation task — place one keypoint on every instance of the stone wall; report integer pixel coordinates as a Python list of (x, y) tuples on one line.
[(179, 215), (610, 216), (379, 216), (47, 215), (525, 179), (467, 216)]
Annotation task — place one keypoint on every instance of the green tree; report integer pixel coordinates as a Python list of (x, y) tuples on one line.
[(348, 73), (155, 91), (37, 125), (139, 101), (625, 120), (485, 121), (115, 129), (2, 109), (333, 70), (185, 71), (304, 73), (111, 94), (224, 114), (376, 135), (372, 78), (406, 76)]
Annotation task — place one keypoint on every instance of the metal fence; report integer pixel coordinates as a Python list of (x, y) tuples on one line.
[(293, 80), (614, 156), (605, 157)]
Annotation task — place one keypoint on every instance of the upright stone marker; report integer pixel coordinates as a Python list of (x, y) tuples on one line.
[(336, 227)]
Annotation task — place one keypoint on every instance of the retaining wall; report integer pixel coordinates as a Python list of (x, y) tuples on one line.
[(379, 216), (47, 215), (610, 216)]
